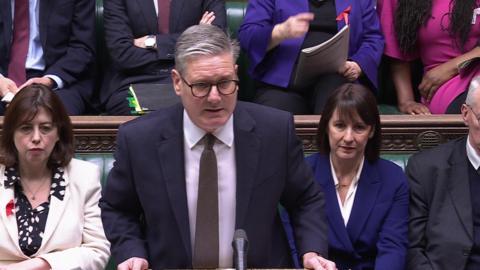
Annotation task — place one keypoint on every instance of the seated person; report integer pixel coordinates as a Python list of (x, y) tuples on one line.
[(50, 217), (444, 227), (140, 37), (366, 196), (442, 34), (51, 43), (275, 31)]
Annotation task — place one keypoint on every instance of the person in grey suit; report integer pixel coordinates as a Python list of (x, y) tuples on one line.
[(444, 226), (140, 36), (151, 203)]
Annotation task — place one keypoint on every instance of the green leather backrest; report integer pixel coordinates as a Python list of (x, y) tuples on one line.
[(235, 13)]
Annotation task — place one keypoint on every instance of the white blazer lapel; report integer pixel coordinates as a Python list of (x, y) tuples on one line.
[(56, 211), (9, 221)]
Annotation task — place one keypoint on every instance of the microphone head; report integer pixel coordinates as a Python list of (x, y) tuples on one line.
[(240, 234)]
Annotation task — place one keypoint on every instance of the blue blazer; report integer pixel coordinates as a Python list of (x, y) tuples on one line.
[(276, 66), (376, 233)]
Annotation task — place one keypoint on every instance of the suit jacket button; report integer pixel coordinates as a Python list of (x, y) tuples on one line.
[(466, 252)]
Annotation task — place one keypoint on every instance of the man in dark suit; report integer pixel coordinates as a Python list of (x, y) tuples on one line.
[(140, 37), (51, 43), (444, 227), (152, 206)]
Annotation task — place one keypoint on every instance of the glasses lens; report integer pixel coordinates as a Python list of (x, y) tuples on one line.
[(227, 87), (201, 89)]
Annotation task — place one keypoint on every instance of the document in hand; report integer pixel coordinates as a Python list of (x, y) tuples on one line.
[(326, 57)]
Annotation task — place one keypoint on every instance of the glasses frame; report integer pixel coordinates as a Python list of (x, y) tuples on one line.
[(191, 85)]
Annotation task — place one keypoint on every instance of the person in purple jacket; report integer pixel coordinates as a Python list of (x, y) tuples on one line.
[(275, 31)]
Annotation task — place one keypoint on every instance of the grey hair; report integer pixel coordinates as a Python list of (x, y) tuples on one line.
[(203, 40), (474, 87)]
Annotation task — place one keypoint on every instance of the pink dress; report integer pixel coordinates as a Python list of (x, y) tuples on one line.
[(434, 47)]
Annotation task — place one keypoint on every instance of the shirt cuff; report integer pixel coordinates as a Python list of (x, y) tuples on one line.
[(8, 97), (57, 80)]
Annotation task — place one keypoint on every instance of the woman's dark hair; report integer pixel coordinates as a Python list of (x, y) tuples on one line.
[(23, 108), (351, 100), (410, 15)]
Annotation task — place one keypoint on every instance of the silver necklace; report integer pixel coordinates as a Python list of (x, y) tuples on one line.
[(34, 194)]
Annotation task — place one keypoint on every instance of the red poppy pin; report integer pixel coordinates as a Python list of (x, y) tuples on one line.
[(344, 14), (10, 207)]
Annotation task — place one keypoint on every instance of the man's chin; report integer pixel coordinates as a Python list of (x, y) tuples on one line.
[(213, 124)]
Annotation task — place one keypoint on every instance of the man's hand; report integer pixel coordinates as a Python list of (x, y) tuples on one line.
[(351, 71), (48, 82), (134, 263), (207, 17), (435, 77), (7, 85), (140, 42), (312, 260)]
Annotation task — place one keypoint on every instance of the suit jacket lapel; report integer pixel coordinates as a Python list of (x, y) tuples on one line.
[(365, 198), (176, 6), (56, 210), (247, 151), (149, 15), (6, 17), (171, 160), (459, 186), (44, 15), (341, 6), (337, 225)]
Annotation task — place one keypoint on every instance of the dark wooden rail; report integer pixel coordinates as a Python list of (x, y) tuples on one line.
[(400, 133)]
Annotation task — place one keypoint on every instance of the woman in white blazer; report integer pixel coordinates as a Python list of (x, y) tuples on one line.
[(49, 214)]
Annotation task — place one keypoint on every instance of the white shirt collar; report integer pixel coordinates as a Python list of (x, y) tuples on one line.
[(193, 134), (357, 176), (472, 155)]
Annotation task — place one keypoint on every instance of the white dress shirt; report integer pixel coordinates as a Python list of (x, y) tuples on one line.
[(472, 155), (346, 207), (225, 152), (35, 58)]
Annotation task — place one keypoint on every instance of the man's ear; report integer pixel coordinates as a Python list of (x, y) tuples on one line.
[(464, 113), (236, 69), (177, 81)]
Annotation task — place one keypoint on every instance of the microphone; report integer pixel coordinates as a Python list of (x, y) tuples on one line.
[(240, 249)]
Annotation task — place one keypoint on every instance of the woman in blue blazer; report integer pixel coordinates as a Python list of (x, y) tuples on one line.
[(273, 33), (366, 196)]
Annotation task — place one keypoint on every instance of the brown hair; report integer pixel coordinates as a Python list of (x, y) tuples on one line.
[(351, 100), (23, 108)]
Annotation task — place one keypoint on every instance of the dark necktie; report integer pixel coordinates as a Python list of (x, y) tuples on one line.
[(19, 49), (163, 15), (205, 252)]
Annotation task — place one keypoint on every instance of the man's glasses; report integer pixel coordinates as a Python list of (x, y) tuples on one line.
[(475, 114), (202, 89)]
